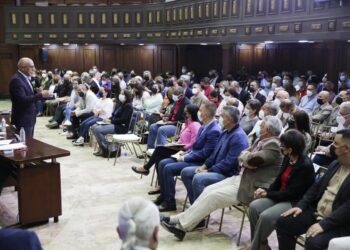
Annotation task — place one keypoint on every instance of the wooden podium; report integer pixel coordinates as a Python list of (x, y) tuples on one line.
[(37, 179)]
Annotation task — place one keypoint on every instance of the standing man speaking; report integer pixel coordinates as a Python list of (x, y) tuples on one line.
[(23, 97)]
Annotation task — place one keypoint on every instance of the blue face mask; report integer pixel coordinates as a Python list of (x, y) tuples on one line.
[(246, 112), (258, 132), (221, 122), (342, 78), (175, 98)]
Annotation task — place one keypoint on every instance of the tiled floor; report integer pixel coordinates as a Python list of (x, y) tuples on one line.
[(92, 192)]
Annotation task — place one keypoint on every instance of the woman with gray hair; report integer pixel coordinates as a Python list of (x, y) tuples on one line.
[(138, 224)]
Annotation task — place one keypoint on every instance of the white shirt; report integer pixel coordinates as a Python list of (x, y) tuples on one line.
[(86, 105), (104, 107), (28, 80)]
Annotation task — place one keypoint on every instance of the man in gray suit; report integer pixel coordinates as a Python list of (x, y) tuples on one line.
[(261, 163)]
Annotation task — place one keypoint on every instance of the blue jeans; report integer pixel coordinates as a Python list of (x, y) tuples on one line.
[(195, 183), (168, 169), (86, 124), (100, 131), (159, 133)]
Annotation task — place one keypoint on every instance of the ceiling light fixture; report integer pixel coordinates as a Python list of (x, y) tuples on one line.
[(47, 44), (268, 42), (141, 44), (203, 44), (65, 44), (303, 41)]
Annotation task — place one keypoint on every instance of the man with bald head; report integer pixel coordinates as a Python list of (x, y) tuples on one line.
[(23, 97), (324, 109)]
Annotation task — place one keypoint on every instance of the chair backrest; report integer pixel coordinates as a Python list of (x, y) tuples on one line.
[(140, 123), (315, 127), (177, 132)]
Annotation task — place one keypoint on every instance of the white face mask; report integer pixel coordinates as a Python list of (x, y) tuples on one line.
[(122, 98), (261, 114), (195, 91), (297, 87), (44, 76), (284, 81), (309, 93), (277, 101), (199, 116), (222, 90), (221, 122)]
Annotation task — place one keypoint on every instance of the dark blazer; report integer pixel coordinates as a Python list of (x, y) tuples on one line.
[(204, 144), (188, 93), (179, 116), (17, 239), (244, 96), (224, 159), (23, 102), (121, 118), (340, 216), (300, 179), (268, 160)]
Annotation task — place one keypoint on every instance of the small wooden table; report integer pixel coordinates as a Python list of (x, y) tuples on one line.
[(38, 181)]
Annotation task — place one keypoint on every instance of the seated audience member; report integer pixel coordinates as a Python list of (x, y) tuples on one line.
[(323, 212), (344, 81), (341, 243), (289, 88), (215, 98), (276, 82), (119, 123), (243, 95), (254, 89), (221, 87), (287, 108), (296, 176), (300, 121), (223, 161), (83, 111), (322, 112), (102, 110), (186, 81), (198, 97), (250, 117), (154, 102), (309, 102), (138, 225), (301, 87), (203, 146), (122, 81), (269, 109), (230, 96), (329, 87), (147, 80), (207, 88), (344, 96), (115, 88), (187, 136), (92, 79), (280, 96), (18, 239), (214, 77), (140, 96), (106, 83), (164, 111), (158, 133), (261, 163)]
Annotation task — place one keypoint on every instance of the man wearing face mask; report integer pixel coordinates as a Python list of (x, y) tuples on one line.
[(322, 112), (183, 70), (254, 89), (243, 95), (344, 81), (214, 77), (287, 109), (324, 212), (84, 109), (309, 102), (186, 85), (198, 97), (159, 132)]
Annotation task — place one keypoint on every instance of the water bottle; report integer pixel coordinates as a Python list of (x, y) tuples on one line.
[(22, 135)]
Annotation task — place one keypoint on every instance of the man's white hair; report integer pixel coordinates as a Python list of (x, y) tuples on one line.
[(137, 220)]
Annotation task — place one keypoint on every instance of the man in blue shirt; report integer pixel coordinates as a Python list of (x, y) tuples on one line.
[(223, 162), (309, 102)]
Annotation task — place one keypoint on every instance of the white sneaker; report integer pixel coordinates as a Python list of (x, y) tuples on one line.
[(67, 123)]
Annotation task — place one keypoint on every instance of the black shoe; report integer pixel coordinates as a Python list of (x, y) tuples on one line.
[(159, 200), (72, 137), (141, 157), (145, 172), (52, 125), (166, 219), (152, 192), (179, 233), (98, 153), (167, 207), (200, 225)]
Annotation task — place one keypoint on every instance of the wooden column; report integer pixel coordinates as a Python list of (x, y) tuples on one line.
[(335, 59), (228, 59)]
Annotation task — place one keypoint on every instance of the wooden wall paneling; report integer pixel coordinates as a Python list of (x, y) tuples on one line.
[(54, 60), (128, 59), (259, 58), (147, 58), (8, 66), (245, 56), (166, 59), (346, 61), (317, 58), (284, 56), (90, 57), (227, 59), (270, 56), (107, 58), (69, 58)]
